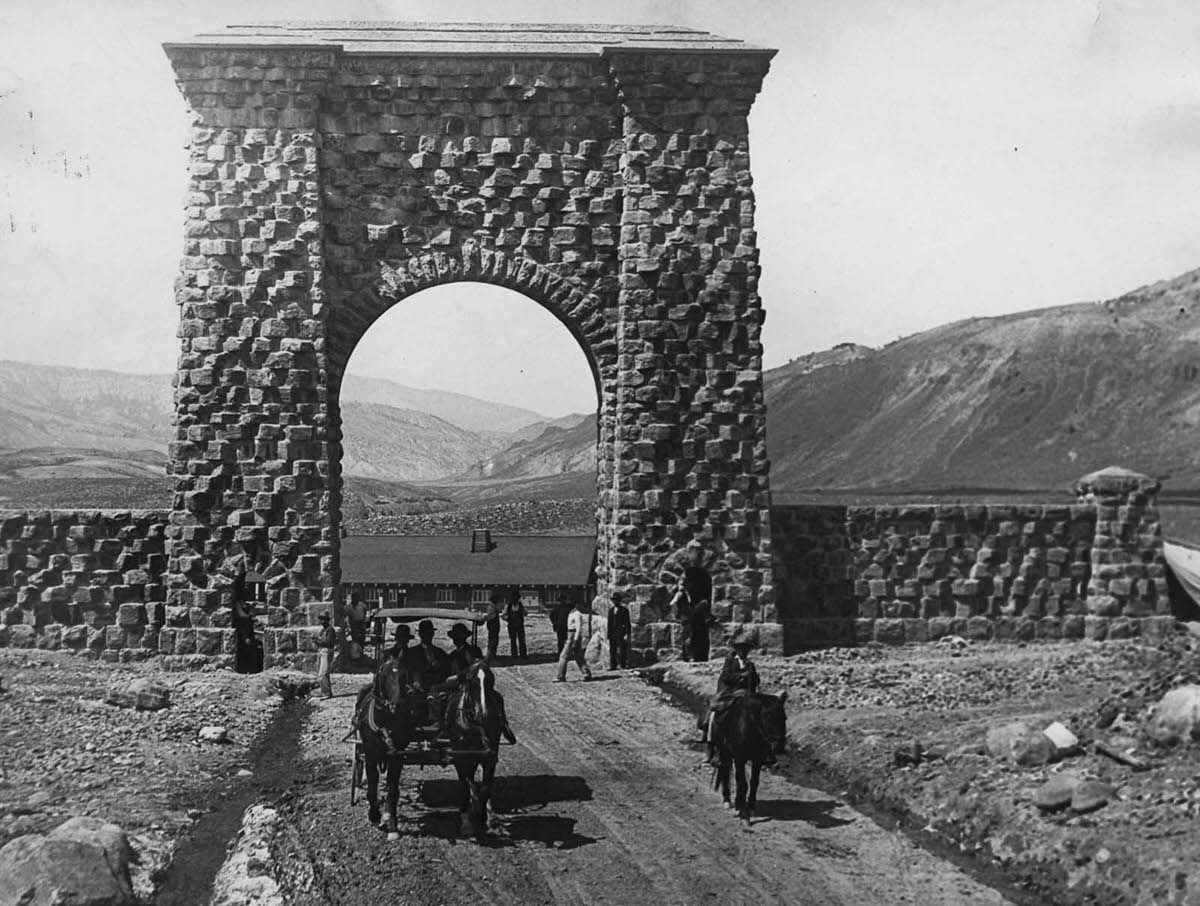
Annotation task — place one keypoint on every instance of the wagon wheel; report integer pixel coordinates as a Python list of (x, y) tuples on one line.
[(356, 774)]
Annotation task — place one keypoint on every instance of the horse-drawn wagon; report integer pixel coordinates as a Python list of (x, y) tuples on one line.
[(389, 731)]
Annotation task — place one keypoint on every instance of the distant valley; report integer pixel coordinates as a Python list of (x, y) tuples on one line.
[(1021, 403)]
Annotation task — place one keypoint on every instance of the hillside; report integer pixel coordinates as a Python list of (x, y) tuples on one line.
[(988, 406), (400, 444), (567, 445), (76, 408), (466, 412), (1030, 400)]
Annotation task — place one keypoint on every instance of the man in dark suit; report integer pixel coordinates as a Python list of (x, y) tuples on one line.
[(429, 664), (400, 649), (492, 624), (514, 616), (618, 633), (558, 622)]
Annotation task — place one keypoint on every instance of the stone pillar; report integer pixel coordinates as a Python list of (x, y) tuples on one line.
[(690, 483), (1128, 578), (250, 455)]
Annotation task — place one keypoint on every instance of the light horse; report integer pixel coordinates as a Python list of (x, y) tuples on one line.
[(753, 729), (475, 721), (385, 729)]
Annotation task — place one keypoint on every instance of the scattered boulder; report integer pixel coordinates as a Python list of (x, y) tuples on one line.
[(214, 734), (1021, 742), (1177, 716), (96, 832), (142, 694), (1056, 793), (84, 862), (1091, 795), (1065, 742)]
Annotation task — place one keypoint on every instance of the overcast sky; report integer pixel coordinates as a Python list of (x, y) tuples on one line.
[(915, 163)]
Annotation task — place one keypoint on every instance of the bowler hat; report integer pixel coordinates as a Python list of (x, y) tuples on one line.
[(458, 631), (425, 626), (403, 630), (616, 597)]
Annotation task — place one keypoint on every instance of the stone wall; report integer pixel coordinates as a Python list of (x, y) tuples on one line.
[(83, 580), (896, 574), (848, 575)]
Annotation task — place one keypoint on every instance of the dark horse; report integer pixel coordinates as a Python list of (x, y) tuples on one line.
[(475, 720), (752, 729), (385, 728)]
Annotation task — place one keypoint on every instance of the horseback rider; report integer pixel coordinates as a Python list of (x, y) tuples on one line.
[(462, 658), (738, 677)]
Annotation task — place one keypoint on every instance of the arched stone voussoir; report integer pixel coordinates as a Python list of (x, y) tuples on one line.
[(579, 311)]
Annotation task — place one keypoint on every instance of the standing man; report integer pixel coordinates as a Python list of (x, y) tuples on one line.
[(493, 626), (558, 622), (681, 604), (701, 620), (514, 616), (618, 633), (579, 631), (356, 625), (326, 640)]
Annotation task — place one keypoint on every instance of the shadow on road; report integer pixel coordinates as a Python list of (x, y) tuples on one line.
[(512, 793), (553, 831), (512, 798), (814, 812)]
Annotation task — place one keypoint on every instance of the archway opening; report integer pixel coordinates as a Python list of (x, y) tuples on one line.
[(468, 416)]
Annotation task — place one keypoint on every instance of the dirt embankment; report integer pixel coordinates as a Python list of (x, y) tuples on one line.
[(65, 752), (903, 730)]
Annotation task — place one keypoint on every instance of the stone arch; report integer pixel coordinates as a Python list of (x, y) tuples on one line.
[(335, 170), (580, 312)]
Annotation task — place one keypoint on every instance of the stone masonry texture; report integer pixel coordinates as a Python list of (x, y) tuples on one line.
[(610, 185), (96, 581)]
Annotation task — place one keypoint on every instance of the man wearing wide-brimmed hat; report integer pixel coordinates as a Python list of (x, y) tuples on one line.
[(400, 650), (429, 664), (738, 676)]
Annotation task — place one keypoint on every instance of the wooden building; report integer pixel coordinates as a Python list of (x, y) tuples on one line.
[(457, 571)]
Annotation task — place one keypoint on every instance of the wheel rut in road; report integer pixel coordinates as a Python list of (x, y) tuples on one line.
[(603, 801)]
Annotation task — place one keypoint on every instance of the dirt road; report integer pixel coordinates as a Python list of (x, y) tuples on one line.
[(602, 801)]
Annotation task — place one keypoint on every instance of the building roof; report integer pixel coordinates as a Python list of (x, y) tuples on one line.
[(393, 38), (525, 560)]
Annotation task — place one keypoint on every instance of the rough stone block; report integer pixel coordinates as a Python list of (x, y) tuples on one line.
[(889, 631)]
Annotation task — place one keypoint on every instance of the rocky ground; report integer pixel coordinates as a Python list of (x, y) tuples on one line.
[(905, 731), (65, 752), (901, 732)]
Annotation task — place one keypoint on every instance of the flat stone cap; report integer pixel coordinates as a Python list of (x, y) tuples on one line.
[(1116, 482), (392, 38)]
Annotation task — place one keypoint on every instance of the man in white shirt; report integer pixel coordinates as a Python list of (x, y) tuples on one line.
[(579, 632)]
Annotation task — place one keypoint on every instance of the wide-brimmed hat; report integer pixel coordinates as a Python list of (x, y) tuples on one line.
[(458, 631), (425, 626)]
